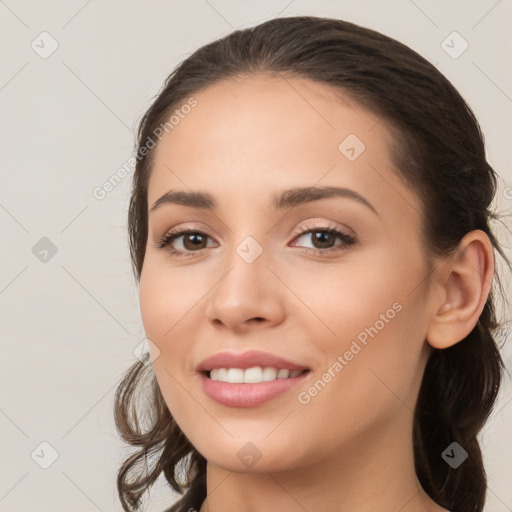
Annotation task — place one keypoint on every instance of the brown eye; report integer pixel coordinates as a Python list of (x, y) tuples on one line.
[(324, 239), (192, 241)]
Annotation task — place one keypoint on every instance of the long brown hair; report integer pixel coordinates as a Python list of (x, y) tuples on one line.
[(438, 150)]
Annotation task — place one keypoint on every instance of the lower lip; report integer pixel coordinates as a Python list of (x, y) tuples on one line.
[(248, 395)]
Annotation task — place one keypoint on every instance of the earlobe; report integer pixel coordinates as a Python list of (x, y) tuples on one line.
[(466, 282)]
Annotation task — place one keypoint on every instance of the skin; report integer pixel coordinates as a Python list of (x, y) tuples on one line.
[(350, 447)]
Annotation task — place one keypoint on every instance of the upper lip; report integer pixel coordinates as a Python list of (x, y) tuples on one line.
[(246, 360)]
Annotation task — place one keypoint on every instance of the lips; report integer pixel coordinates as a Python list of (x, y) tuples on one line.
[(248, 394), (244, 360)]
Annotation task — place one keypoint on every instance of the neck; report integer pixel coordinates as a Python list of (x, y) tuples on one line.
[(360, 476)]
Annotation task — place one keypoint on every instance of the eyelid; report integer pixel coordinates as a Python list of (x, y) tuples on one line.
[(197, 227), (177, 232), (321, 225)]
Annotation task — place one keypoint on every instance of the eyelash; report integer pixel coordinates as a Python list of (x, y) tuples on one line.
[(348, 240)]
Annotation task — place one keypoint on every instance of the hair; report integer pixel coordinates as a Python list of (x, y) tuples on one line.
[(438, 150)]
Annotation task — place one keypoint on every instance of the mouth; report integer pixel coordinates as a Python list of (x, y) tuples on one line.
[(250, 378), (252, 375), (237, 387)]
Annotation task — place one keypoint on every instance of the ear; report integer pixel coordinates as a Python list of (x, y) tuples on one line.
[(465, 281)]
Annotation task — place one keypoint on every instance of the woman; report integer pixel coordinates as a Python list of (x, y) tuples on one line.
[(309, 225)]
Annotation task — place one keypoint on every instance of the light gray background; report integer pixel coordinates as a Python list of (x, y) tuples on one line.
[(69, 326)]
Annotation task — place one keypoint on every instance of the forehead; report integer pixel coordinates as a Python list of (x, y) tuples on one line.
[(249, 136), (268, 114)]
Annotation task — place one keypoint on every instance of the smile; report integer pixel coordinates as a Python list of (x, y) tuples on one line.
[(249, 394), (252, 375)]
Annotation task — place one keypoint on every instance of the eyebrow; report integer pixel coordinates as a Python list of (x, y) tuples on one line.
[(280, 200)]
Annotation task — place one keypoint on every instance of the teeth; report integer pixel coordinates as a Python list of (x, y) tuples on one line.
[(252, 375)]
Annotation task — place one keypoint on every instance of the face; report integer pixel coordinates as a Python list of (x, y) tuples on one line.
[(336, 285)]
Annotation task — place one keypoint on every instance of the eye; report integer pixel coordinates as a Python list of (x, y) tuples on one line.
[(193, 241), (323, 238)]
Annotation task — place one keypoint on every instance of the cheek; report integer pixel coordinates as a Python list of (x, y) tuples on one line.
[(349, 297), (153, 301), (164, 306), (371, 319), (166, 297), (371, 375)]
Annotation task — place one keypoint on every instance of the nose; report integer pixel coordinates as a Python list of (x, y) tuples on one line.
[(247, 295)]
